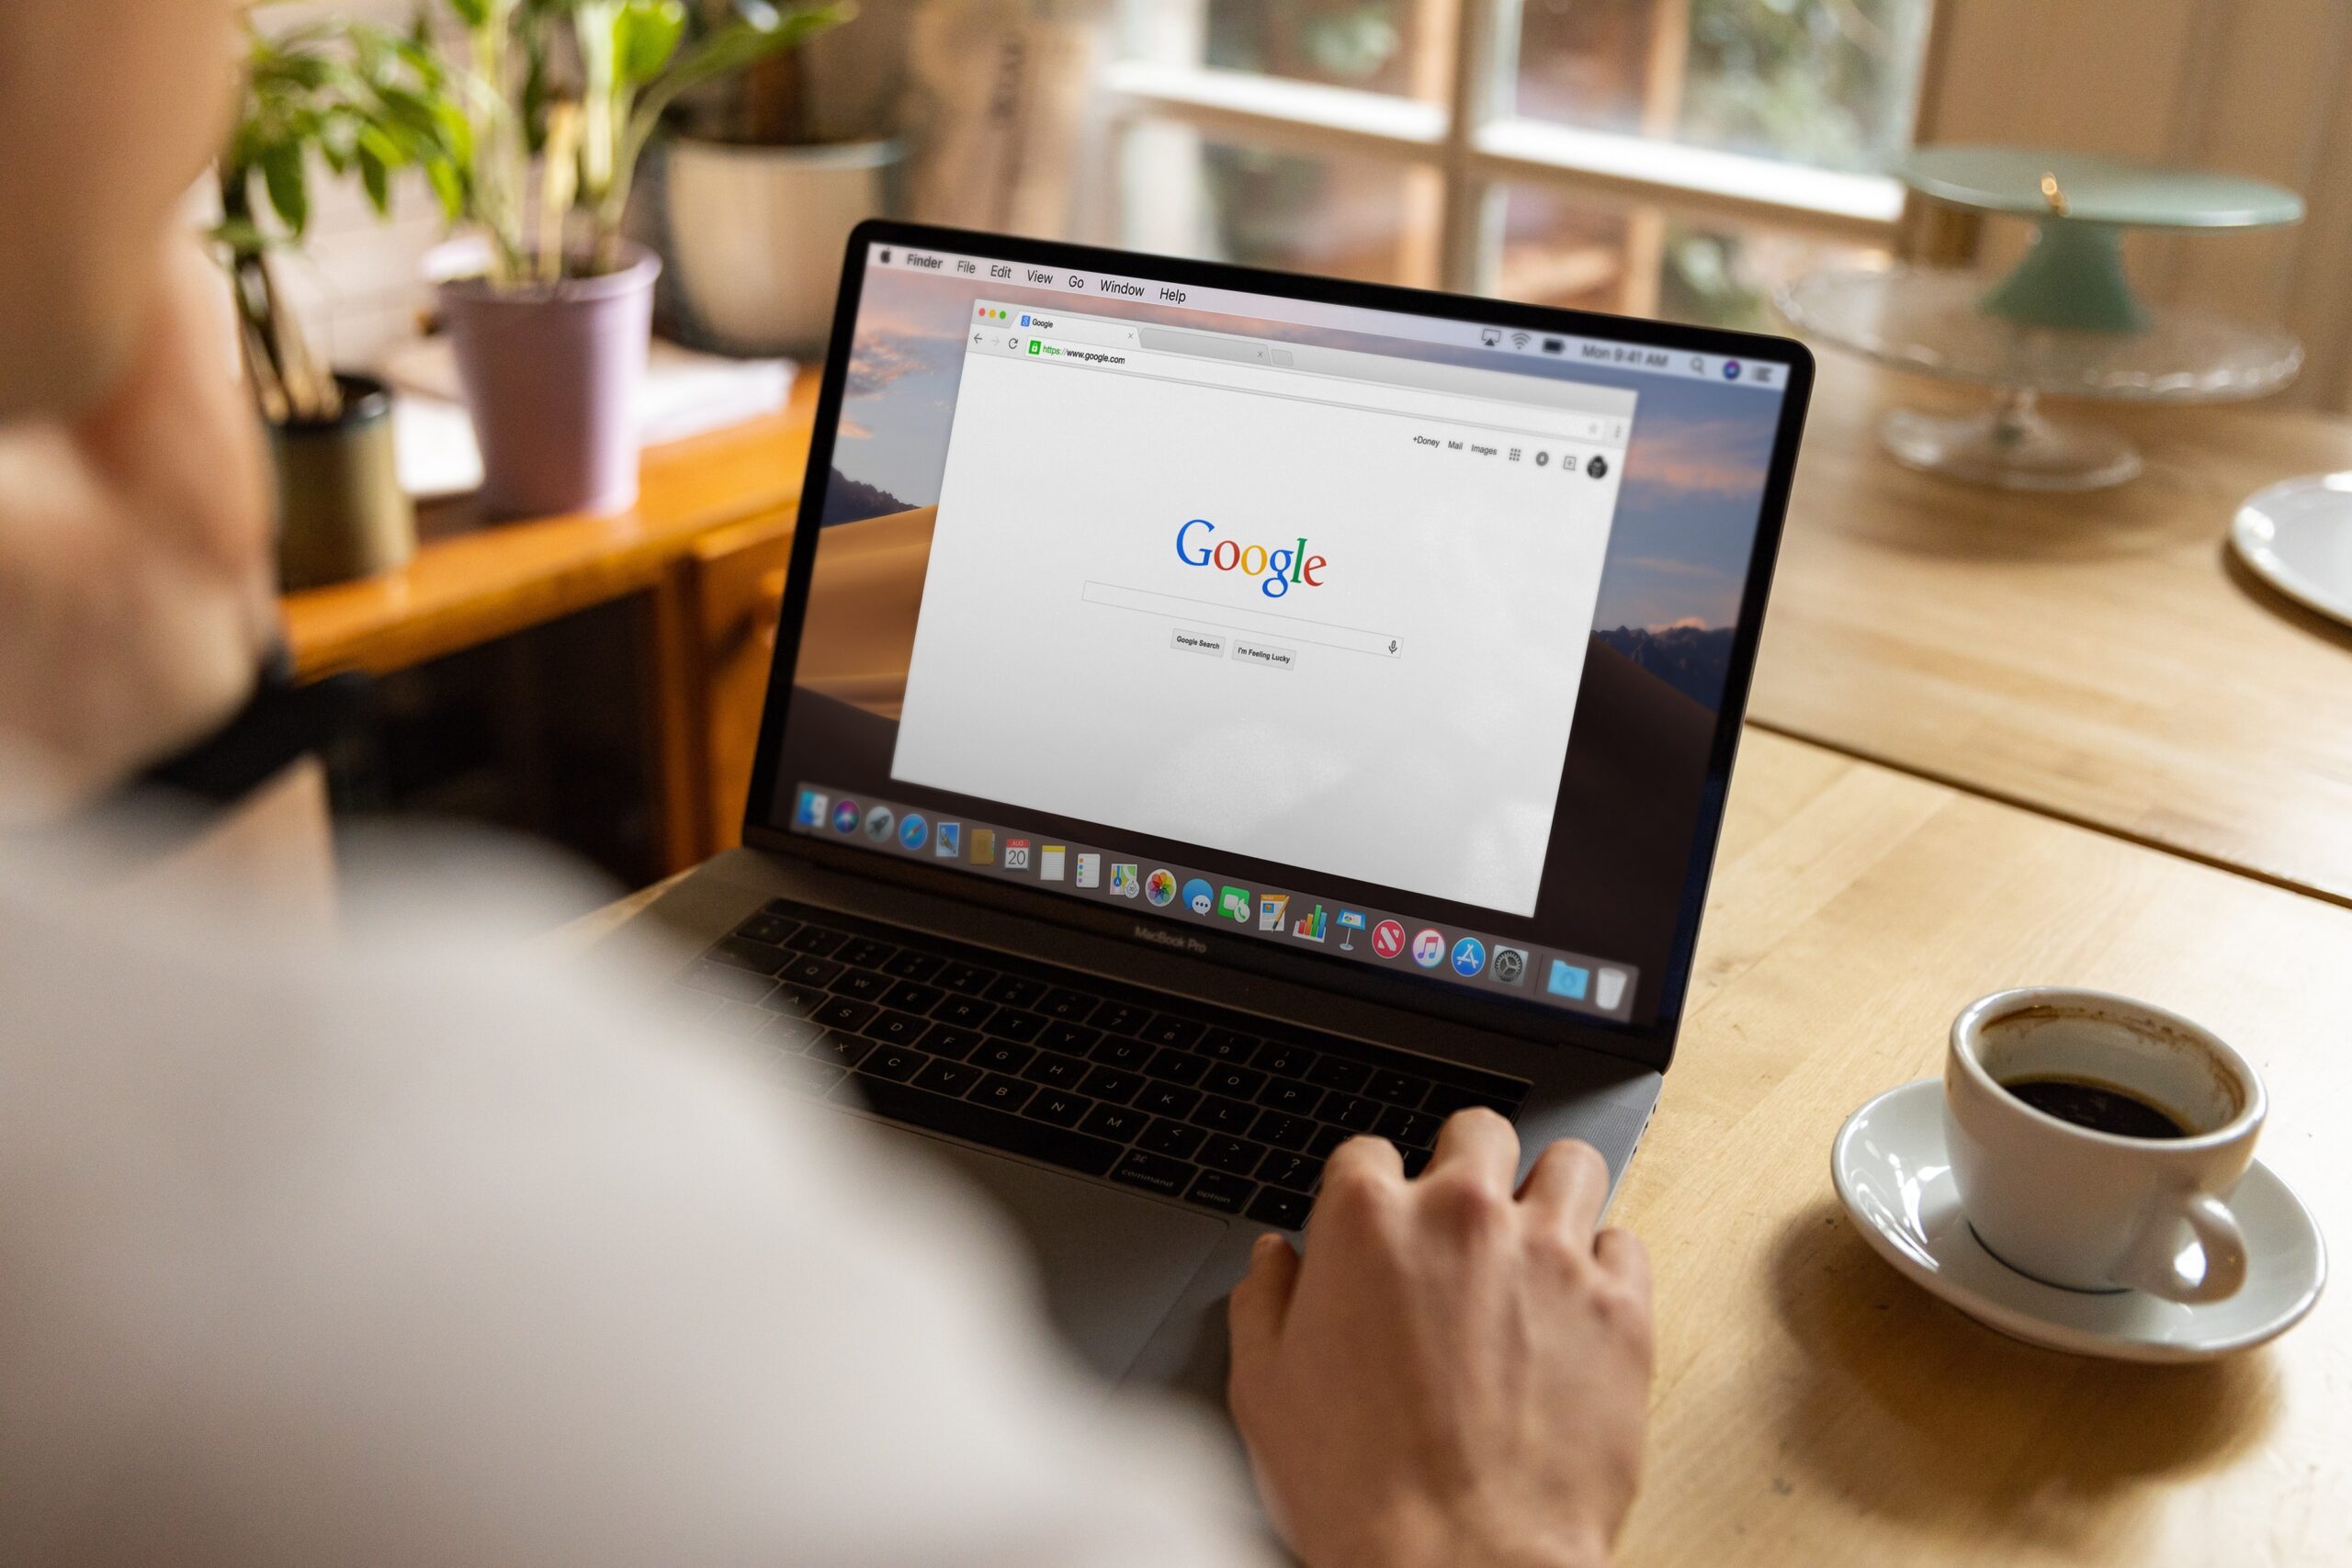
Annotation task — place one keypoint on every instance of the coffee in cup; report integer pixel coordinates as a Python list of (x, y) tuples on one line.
[(2093, 1139)]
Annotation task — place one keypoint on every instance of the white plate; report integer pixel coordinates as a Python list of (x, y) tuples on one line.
[(2298, 537), (1893, 1177)]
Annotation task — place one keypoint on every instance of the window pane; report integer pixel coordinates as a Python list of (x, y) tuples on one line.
[(1560, 250), (1827, 83), (1184, 194), (1379, 46)]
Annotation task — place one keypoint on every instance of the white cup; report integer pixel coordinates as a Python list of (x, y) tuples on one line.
[(2093, 1211)]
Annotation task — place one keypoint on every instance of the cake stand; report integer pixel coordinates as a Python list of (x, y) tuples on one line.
[(2064, 323)]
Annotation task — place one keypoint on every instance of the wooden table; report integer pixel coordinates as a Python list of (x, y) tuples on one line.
[(705, 503), (1814, 1407), (2101, 658)]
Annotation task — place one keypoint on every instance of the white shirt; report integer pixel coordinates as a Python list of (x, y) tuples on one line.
[(424, 1247)]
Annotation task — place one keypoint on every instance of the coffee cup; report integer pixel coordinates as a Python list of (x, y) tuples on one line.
[(2092, 1138)]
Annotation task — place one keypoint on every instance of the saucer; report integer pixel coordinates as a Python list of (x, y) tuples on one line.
[(1891, 1175), (2298, 537)]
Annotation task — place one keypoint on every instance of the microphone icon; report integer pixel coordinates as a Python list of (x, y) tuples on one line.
[(1392, 644)]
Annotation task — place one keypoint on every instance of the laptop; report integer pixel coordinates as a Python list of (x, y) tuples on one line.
[(1216, 713)]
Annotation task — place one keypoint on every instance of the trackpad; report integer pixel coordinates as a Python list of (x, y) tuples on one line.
[(1113, 1263)]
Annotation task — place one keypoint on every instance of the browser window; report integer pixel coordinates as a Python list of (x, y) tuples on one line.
[(1276, 610)]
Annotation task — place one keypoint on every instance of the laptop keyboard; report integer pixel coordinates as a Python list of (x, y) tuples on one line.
[(1175, 1096)]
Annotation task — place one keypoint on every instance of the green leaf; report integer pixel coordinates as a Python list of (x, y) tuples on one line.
[(646, 34), (473, 13), (448, 188), (376, 179), (284, 177)]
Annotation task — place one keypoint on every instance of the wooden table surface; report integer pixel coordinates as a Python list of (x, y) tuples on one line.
[(2100, 657), (1814, 1407), (472, 580)]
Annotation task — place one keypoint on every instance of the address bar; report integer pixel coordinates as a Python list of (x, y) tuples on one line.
[(1526, 419)]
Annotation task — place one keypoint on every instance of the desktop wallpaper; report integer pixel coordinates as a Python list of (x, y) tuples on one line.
[(1679, 552)]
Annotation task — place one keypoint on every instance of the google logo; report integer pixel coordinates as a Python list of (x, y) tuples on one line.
[(1276, 569)]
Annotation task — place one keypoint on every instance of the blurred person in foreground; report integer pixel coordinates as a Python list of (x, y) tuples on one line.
[(420, 1248)]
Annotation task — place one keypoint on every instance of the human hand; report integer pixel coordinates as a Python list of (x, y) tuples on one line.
[(1453, 1373), (135, 558)]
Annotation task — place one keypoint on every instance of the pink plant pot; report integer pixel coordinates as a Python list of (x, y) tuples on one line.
[(551, 377)]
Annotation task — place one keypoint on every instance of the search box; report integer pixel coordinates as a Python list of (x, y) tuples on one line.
[(1207, 612)]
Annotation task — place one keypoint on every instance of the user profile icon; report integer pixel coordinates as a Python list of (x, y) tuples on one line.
[(1541, 458), (1597, 467)]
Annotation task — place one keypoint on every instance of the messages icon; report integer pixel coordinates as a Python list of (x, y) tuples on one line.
[(1199, 897)]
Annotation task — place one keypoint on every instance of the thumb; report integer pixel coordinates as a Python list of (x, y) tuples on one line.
[(1258, 1305)]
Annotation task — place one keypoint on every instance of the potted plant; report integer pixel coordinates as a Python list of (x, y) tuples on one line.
[(551, 340), (362, 101), (760, 195)]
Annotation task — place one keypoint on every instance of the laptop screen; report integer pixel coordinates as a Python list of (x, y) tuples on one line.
[(1394, 639)]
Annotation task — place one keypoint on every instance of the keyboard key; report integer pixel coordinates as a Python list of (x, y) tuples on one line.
[(1238, 1155), (1409, 1129), (1353, 1112), (843, 1013), (769, 928), (783, 909), (893, 1062), (1073, 1038), (863, 953), (1290, 1095), (865, 985), (1119, 1018), (949, 1078), (1055, 1071), (1445, 1098), (983, 1124), (1003, 1093), (1014, 1024), (841, 1049), (1283, 1211), (964, 1012), (1282, 1132), (1216, 1189), (1397, 1088), (908, 963), (909, 996), (1015, 990), (1239, 1083), (1416, 1161), (1155, 1173), (756, 956), (1167, 1099), (738, 1019), (1295, 1171), (1116, 1050), (966, 979), (1284, 1060), (788, 1033), (1173, 1138), (1337, 1072), (1065, 1005), (816, 940), (1059, 1107), (1169, 1030), (1115, 1122), (814, 973), (947, 1040), (1327, 1140), (798, 1001), (1179, 1067), (726, 980), (1228, 1046), (1221, 1115), (812, 1076), (1001, 1057), (896, 1028), (1111, 1084)]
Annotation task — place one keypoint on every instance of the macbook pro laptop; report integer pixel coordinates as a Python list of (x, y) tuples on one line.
[(1216, 713)]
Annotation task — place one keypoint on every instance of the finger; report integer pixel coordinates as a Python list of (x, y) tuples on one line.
[(1477, 1142), (1568, 1187), (1362, 1157), (1623, 1254), (1255, 1311)]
